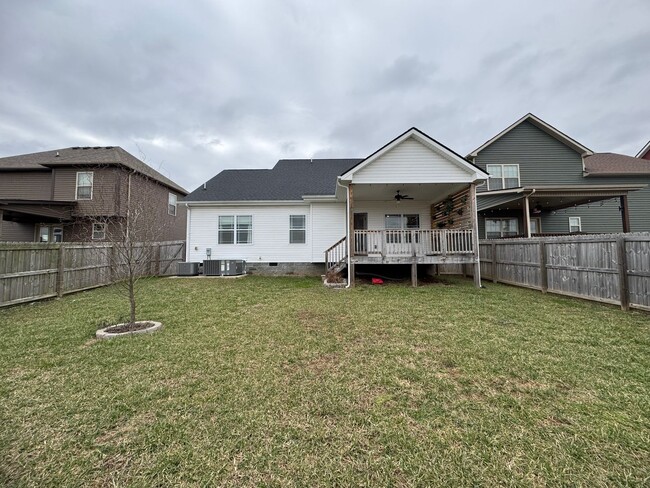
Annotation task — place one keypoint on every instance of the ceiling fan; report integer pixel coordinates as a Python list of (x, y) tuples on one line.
[(399, 197)]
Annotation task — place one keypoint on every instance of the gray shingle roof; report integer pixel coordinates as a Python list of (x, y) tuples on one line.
[(289, 179), (109, 155), (616, 164)]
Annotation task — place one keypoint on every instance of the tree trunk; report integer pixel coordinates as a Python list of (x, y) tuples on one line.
[(132, 298)]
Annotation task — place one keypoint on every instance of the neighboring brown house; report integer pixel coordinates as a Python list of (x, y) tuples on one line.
[(79, 193), (644, 153)]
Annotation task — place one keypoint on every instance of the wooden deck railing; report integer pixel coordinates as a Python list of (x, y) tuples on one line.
[(336, 254), (413, 242)]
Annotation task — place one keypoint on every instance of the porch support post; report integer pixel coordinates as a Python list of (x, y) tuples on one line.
[(475, 245), (414, 273), (526, 216), (625, 214), (351, 232)]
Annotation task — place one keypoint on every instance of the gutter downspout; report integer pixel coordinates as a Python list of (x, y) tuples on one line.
[(188, 233), (347, 227), (128, 208)]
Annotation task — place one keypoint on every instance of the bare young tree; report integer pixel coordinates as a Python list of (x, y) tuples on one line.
[(130, 213)]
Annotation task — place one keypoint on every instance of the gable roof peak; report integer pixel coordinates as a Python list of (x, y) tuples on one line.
[(542, 125)]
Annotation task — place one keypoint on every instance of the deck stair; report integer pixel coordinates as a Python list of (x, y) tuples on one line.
[(336, 257)]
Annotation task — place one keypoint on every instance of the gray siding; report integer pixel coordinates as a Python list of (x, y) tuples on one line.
[(26, 185), (543, 160), (16, 231)]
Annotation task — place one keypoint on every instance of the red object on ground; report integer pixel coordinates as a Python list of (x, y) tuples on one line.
[(377, 281)]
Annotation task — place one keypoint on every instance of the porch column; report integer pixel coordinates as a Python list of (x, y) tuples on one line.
[(351, 232), (474, 211), (526, 216), (625, 214)]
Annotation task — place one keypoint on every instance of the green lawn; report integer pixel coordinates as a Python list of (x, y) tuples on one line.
[(281, 382)]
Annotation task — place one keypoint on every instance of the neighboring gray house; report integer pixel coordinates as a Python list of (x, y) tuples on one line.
[(82, 193), (544, 182)]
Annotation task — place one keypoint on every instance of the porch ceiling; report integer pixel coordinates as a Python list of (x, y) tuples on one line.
[(548, 200), (429, 192)]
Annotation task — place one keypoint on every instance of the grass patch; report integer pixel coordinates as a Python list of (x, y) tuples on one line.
[(282, 382)]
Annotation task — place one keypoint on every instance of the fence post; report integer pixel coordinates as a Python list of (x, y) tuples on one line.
[(543, 272), (157, 260), (622, 274), (495, 268), (60, 271)]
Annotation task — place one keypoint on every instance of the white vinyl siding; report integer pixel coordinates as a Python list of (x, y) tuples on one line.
[(503, 176), (328, 225), (412, 162), (84, 186), (269, 231)]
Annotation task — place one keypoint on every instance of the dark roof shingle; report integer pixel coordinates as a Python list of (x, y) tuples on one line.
[(109, 155), (289, 179), (616, 164)]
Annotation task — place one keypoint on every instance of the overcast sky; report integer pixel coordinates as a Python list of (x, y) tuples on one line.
[(197, 87)]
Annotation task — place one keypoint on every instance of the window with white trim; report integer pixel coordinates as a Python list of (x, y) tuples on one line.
[(171, 204), (575, 224), (495, 228), (84, 189), (297, 229), (99, 232), (235, 229), (503, 176)]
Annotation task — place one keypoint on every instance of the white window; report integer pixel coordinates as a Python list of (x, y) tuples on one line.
[(171, 204), (44, 233), (297, 229), (99, 232), (47, 233), (84, 185), (503, 176), (495, 228), (235, 229), (536, 225), (57, 234), (399, 221), (575, 225)]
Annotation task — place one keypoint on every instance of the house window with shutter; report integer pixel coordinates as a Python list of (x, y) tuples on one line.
[(84, 190)]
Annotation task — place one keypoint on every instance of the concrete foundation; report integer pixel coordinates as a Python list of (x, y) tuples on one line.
[(285, 269)]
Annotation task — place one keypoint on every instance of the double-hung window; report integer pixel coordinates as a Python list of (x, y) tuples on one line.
[(99, 232), (495, 228), (503, 176), (84, 190), (575, 224), (171, 204), (235, 229), (297, 229)]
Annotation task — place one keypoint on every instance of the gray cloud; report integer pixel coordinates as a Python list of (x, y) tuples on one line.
[(211, 85)]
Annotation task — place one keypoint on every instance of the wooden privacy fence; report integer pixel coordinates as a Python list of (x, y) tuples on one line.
[(610, 268), (32, 271)]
